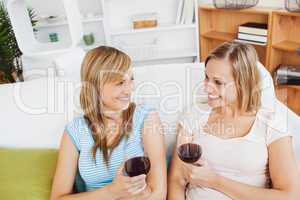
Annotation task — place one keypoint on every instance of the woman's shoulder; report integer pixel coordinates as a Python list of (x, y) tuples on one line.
[(271, 127), (77, 127), (77, 121), (74, 128)]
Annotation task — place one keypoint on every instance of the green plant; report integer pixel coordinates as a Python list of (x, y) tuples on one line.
[(10, 54)]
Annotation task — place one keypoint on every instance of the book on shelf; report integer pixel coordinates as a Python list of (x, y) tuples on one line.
[(250, 42), (287, 75), (254, 28), (253, 38), (185, 12), (288, 81), (288, 70), (189, 14), (179, 11)]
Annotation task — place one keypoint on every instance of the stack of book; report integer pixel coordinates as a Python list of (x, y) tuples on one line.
[(253, 33), (186, 12), (287, 75)]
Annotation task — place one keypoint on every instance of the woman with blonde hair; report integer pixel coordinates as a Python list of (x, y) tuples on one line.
[(243, 156), (112, 129)]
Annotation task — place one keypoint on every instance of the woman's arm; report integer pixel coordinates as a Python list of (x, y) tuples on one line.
[(284, 174), (63, 182), (154, 145), (176, 180)]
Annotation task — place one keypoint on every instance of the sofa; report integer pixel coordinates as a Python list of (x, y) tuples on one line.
[(34, 113)]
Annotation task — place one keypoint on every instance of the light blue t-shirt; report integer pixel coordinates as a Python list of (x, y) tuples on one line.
[(92, 175)]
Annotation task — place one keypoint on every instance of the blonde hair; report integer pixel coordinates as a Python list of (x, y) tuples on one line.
[(100, 66), (243, 59)]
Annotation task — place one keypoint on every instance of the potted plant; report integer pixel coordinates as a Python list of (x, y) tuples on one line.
[(10, 54)]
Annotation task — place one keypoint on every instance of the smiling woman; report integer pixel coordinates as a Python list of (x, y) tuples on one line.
[(233, 77), (243, 155), (94, 146), (107, 85)]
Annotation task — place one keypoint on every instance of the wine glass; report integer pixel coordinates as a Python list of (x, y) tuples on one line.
[(136, 165), (188, 150)]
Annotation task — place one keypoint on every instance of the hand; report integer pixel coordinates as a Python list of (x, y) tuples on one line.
[(200, 174), (125, 186), (144, 195)]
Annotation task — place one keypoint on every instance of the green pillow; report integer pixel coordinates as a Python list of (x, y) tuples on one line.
[(27, 174)]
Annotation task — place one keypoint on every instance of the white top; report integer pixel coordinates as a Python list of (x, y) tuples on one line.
[(243, 159)]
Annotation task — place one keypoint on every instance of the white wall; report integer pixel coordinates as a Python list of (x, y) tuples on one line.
[(45, 6), (263, 3), (56, 7)]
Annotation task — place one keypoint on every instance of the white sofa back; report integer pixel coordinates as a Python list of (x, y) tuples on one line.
[(34, 113), (170, 89)]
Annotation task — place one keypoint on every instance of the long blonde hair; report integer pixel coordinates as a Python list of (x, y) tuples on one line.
[(100, 66), (243, 59)]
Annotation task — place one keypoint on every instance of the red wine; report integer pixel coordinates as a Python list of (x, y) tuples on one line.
[(189, 152), (137, 166)]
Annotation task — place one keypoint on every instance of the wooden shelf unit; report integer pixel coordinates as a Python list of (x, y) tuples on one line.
[(219, 35), (161, 27), (220, 25), (285, 40), (287, 45)]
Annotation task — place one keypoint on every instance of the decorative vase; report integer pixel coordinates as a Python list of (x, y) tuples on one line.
[(89, 39)]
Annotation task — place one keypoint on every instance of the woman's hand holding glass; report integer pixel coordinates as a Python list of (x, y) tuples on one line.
[(196, 169), (134, 174), (201, 175), (124, 186)]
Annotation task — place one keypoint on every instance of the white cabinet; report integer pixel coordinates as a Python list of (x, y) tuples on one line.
[(110, 21)]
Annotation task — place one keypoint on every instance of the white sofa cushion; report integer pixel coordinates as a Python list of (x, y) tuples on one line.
[(26, 116)]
